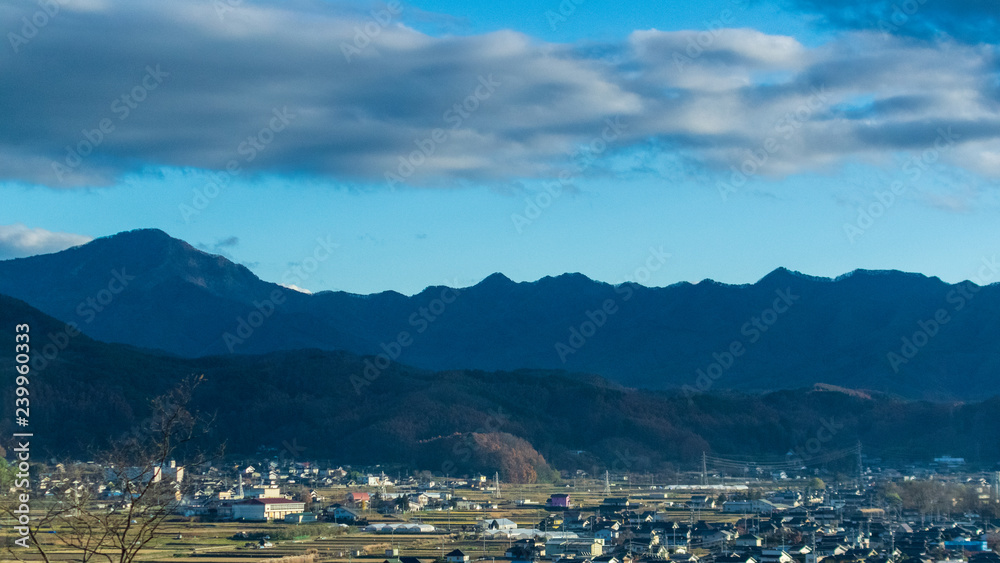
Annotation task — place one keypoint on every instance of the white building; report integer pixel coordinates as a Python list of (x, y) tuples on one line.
[(264, 509), (263, 491), (300, 518), (497, 524), (759, 506)]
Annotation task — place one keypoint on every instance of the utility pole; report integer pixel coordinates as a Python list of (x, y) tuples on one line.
[(861, 471)]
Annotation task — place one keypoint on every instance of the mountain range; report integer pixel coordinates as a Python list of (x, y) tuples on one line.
[(902, 334), (305, 404)]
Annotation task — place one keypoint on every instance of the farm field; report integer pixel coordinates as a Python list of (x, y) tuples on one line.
[(186, 540)]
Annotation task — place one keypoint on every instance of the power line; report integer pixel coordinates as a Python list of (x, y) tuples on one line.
[(746, 463)]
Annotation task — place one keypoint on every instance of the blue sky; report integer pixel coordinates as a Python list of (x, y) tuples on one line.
[(735, 136)]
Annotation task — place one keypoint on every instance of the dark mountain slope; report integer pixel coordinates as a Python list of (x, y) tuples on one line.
[(794, 330), (88, 391)]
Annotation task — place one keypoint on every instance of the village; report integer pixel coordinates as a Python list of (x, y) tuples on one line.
[(938, 513)]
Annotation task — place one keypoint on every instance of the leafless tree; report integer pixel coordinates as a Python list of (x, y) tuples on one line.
[(139, 466)]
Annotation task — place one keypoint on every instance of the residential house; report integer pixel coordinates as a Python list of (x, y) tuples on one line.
[(708, 536), (609, 535), (747, 540), (646, 548), (574, 548), (608, 558), (344, 515), (358, 499), (775, 556), (525, 551), (684, 557), (419, 500), (559, 500), (616, 503), (701, 502), (393, 557), (551, 523)]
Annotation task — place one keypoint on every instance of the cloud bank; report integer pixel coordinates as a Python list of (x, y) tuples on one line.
[(18, 241), (305, 88)]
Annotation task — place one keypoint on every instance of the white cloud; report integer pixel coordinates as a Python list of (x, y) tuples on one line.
[(294, 287), (18, 240), (711, 97)]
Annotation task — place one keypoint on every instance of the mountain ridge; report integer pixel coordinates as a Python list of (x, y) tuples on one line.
[(841, 331), (161, 235)]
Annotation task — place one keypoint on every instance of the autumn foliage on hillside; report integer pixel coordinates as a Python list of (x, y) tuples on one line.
[(464, 453)]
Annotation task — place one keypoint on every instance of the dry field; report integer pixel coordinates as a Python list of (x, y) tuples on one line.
[(184, 540)]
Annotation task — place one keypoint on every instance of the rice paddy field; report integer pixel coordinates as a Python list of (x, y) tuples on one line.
[(186, 540)]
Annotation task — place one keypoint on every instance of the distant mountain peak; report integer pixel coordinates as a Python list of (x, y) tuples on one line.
[(145, 232), (874, 273), (138, 239), (140, 235), (574, 276), (569, 279), (783, 273), (495, 279)]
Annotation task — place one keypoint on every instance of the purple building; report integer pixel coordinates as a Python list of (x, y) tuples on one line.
[(560, 500)]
